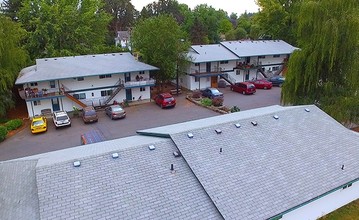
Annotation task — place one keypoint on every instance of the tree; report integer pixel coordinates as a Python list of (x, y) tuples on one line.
[(162, 7), (12, 59), (10, 8), (325, 69), (158, 40), (123, 14), (276, 19), (64, 27)]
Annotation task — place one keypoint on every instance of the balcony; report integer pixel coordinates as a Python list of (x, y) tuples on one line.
[(247, 66), (139, 83), (214, 71), (36, 94)]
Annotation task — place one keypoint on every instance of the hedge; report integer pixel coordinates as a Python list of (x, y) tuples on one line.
[(13, 124), (3, 132)]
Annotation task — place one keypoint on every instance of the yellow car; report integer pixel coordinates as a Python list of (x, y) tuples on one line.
[(38, 124)]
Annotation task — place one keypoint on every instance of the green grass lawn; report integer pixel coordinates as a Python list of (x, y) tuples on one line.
[(348, 212)]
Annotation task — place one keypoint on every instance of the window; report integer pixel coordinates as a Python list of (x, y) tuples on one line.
[(277, 55), (52, 84), (275, 68), (142, 72), (196, 79), (80, 96), (80, 79), (142, 89), (37, 102), (350, 184), (261, 57), (105, 76), (224, 62), (106, 93), (238, 72), (33, 84), (277, 217), (196, 64)]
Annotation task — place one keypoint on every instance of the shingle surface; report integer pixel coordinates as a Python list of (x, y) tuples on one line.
[(80, 66), (18, 191), (210, 53), (137, 185), (266, 169), (248, 48)]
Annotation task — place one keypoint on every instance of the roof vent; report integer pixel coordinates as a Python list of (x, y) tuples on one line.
[(220, 150), (343, 167), (307, 109), (177, 154), (55, 59), (77, 163), (254, 123), (151, 147), (276, 117), (237, 125), (218, 131), (115, 155), (190, 135), (113, 54), (93, 56), (45, 59)]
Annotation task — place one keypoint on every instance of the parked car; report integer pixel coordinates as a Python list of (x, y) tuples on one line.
[(92, 136), (244, 88), (212, 93), (115, 112), (61, 119), (277, 80), (262, 84), (89, 114), (165, 100), (38, 124)]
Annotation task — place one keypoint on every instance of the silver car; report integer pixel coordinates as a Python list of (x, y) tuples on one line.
[(61, 119), (115, 111)]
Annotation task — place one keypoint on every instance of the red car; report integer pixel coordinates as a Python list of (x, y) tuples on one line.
[(262, 84), (165, 100), (244, 88)]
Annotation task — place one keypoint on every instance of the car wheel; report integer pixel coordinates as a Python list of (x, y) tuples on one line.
[(70, 125), (243, 92), (265, 88)]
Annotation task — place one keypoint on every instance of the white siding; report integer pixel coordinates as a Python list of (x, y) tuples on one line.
[(324, 205)]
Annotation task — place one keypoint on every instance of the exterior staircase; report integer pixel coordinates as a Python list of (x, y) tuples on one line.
[(118, 87), (66, 93), (263, 73), (228, 78)]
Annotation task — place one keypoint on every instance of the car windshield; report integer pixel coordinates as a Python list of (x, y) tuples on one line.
[(62, 118), (215, 91), (251, 86), (170, 99), (117, 109), (38, 123), (90, 113)]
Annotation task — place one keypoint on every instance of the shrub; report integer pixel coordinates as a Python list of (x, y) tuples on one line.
[(217, 101), (3, 133), (13, 124), (206, 102), (196, 94), (3, 120), (235, 109)]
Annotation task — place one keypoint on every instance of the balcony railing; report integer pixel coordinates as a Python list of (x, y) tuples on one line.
[(33, 94), (244, 66), (139, 83), (206, 71)]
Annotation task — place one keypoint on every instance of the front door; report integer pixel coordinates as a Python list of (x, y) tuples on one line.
[(55, 104), (128, 94), (208, 67), (214, 81), (127, 77)]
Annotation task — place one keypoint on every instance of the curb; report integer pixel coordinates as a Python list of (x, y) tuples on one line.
[(207, 107)]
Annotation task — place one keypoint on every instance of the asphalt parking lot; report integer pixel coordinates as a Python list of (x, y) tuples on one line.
[(138, 117)]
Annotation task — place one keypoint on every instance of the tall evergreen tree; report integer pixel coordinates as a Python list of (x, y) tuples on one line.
[(64, 27), (12, 59), (326, 68)]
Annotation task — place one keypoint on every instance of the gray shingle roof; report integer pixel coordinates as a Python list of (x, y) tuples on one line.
[(137, 185), (18, 190), (248, 48), (210, 53), (80, 66), (267, 169)]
